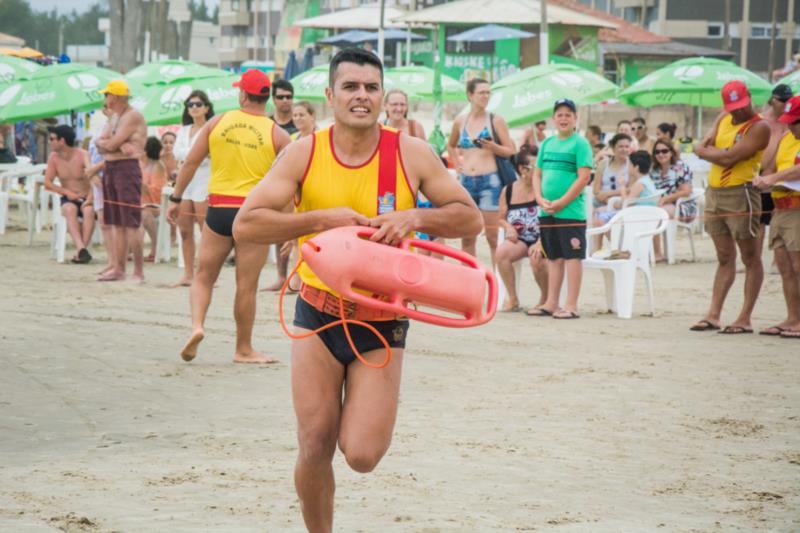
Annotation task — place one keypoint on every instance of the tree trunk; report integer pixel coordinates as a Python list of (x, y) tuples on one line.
[(771, 63), (125, 25)]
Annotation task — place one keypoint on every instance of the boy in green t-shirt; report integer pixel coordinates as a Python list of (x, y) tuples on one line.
[(562, 172)]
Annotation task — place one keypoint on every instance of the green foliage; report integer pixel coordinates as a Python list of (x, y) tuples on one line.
[(199, 11), (18, 19)]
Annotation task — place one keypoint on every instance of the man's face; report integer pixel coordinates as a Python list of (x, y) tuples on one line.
[(777, 106), (283, 101), (56, 144), (640, 130), (565, 119), (740, 115), (356, 95)]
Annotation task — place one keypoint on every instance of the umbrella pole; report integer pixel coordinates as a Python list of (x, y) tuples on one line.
[(408, 46), (699, 126), (437, 138)]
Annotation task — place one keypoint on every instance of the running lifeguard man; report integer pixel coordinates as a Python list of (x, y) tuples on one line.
[(356, 172), (733, 206), (242, 146)]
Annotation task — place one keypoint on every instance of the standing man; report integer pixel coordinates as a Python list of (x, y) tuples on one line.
[(68, 164), (784, 231), (242, 145), (640, 132), (771, 115), (562, 172), (121, 144), (734, 149), (283, 100), (339, 176)]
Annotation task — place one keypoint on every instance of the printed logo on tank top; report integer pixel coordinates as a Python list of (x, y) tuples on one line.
[(386, 203), (232, 134)]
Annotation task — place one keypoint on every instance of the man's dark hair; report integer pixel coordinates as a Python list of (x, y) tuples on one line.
[(152, 148), (619, 137), (595, 129), (257, 98), (473, 84), (624, 121), (359, 56), (284, 85), (640, 120), (641, 160), (63, 132)]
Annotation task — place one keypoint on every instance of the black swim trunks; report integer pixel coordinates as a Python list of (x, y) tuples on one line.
[(77, 203), (220, 220), (563, 238), (308, 317)]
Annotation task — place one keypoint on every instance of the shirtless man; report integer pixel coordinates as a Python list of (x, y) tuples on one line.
[(68, 163), (337, 176), (734, 148), (121, 144), (242, 145)]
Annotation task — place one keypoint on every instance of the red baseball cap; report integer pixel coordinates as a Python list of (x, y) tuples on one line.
[(254, 82), (791, 112), (735, 95)]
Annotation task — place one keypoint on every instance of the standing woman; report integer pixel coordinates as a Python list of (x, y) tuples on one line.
[(304, 119), (395, 103), (197, 111), (472, 150), (154, 178)]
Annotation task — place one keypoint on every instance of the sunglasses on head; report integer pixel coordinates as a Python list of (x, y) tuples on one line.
[(195, 104), (284, 96), (661, 152)]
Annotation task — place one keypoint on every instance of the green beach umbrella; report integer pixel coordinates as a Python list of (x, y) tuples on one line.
[(528, 95), (14, 68), (694, 81), (168, 71), (310, 85), (418, 83), (54, 90), (163, 103), (792, 80)]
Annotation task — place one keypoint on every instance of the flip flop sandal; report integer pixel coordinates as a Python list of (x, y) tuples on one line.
[(570, 316), (790, 334), (734, 330), (704, 325), (774, 331), (538, 311)]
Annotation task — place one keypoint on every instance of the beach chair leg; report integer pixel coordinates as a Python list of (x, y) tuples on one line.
[(624, 283), (3, 211), (610, 286), (669, 241)]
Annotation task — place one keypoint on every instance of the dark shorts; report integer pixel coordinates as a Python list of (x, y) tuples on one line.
[(220, 220), (122, 193), (77, 203), (307, 317), (563, 242), (767, 206)]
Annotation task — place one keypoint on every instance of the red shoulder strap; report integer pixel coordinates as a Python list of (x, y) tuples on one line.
[(387, 170)]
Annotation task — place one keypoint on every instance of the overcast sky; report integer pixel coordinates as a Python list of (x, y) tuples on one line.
[(65, 6)]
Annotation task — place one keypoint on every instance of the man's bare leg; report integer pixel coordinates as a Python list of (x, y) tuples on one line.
[(134, 239), (70, 212), (724, 277), (214, 248), (789, 267), (282, 268), (105, 229), (555, 277), (490, 229), (186, 221), (317, 379), (574, 268), (120, 254), (753, 278), (250, 259), (88, 226)]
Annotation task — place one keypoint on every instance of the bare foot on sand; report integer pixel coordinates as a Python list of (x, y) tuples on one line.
[(183, 282), (253, 357), (106, 270), (189, 350), (111, 275), (275, 286), (138, 279)]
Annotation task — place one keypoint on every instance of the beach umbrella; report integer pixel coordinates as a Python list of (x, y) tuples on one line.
[(163, 103), (308, 60), (391, 34), (26, 52), (167, 71), (792, 80), (417, 81), (695, 81), (310, 85), (292, 69), (14, 68), (490, 32), (528, 95), (54, 90), (345, 38)]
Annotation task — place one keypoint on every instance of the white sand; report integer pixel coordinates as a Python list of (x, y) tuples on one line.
[(597, 424)]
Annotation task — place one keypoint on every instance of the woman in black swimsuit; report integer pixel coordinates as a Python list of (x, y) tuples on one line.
[(519, 218)]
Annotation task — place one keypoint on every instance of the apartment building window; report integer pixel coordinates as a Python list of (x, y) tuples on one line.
[(610, 67), (715, 30), (763, 31)]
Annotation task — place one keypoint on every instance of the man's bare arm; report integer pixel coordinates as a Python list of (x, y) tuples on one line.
[(127, 127), (756, 139), (261, 218)]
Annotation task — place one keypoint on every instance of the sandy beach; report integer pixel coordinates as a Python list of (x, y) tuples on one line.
[(526, 424)]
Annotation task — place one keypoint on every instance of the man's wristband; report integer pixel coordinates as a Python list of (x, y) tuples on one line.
[(175, 199)]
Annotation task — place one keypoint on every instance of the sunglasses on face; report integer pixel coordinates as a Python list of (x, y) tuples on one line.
[(638, 128), (195, 104), (661, 152), (284, 96)]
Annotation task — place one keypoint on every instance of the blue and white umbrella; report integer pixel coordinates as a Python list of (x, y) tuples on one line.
[(490, 32), (345, 38), (292, 69)]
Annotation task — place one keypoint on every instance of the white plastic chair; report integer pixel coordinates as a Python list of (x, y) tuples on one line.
[(637, 226), (58, 239), (27, 197), (670, 237)]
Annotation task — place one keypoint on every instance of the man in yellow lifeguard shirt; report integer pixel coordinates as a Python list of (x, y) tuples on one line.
[(784, 230), (242, 146), (356, 172), (733, 206)]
